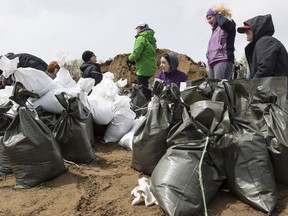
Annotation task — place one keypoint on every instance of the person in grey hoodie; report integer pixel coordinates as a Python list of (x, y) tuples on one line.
[(266, 56)]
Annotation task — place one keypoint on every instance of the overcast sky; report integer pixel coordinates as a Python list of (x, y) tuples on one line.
[(45, 27)]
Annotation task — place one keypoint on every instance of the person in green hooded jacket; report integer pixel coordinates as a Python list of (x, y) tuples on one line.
[(144, 56)]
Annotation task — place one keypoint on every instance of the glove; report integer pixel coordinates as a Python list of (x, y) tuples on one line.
[(129, 63)]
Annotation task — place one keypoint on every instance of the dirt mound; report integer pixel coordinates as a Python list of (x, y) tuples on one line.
[(120, 69)]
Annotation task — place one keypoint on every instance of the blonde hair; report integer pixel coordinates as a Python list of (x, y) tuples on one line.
[(222, 10)]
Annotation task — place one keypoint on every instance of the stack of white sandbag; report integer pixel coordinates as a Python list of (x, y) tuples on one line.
[(40, 83), (104, 102), (101, 100)]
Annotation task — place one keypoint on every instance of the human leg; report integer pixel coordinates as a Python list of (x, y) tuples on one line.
[(223, 70), (211, 73), (144, 82)]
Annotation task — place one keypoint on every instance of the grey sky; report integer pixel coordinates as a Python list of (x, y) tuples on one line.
[(45, 27)]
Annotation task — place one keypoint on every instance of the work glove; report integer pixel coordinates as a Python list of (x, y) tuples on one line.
[(129, 63)]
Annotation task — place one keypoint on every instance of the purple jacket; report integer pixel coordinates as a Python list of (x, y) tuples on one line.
[(221, 44), (175, 76)]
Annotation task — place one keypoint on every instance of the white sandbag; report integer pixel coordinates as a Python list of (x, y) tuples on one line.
[(5, 94), (86, 84), (34, 80), (121, 83), (64, 78), (106, 88), (48, 102), (127, 140), (101, 109), (75, 92), (121, 123), (8, 66)]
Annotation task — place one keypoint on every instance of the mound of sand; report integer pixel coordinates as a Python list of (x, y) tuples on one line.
[(120, 69)]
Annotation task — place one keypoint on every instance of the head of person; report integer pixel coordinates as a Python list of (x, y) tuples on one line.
[(140, 26), (169, 62), (248, 30), (53, 67), (89, 56), (257, 27), (217, 9), (210, 16)]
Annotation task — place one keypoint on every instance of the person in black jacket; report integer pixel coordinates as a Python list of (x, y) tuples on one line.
[(266, 56), (26, 60), (90, 67)]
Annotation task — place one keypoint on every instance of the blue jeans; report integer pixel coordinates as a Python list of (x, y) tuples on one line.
[(222, 70)]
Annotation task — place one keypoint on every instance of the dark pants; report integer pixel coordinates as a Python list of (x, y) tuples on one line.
[(144, 82)]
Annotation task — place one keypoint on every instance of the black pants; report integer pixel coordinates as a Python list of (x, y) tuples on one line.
[(144, 82)]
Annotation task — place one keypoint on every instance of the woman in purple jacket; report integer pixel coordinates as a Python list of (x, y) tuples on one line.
[(169, 72), (220, 52)]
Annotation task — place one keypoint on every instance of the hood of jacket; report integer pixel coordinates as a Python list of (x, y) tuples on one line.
[(261, 26), (148, 34), (174, 62)]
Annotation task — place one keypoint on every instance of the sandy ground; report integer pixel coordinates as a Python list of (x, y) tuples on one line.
[(104, 188)]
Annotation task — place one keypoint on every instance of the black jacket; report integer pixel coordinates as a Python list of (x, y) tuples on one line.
[(28, 60), (229, 26), (91, 70), (266, 55)]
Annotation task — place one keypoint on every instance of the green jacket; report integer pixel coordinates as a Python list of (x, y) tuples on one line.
[(144, 53)]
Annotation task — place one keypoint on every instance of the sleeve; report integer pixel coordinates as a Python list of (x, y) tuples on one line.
[(138, 49), (225, 23), (96, 75), (92, 72), (184, 77), (266, 52)]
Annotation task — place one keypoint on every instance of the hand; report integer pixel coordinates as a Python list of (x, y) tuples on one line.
[(129, 63)]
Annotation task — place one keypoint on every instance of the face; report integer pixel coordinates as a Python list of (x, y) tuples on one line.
[(164, 65), (93, 59), (249, 34), (211, 20), (138, 29)]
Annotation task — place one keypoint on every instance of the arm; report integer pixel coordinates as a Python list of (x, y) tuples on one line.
[(92, 72), (225, 23), (138, 49), (266, 52)]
